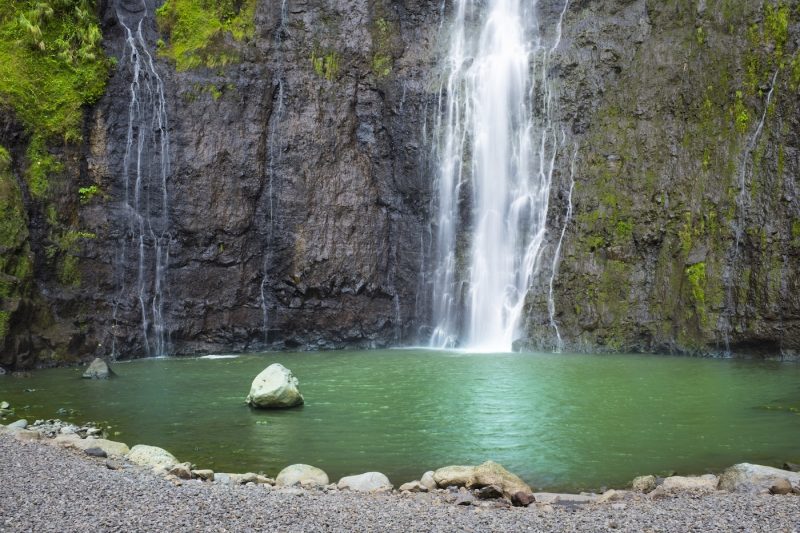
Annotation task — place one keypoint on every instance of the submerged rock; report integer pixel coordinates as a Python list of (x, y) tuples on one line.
[(275, 387), (368, 482), (144, 455), (301, 474), (98, 369), (755, 479), (484, 475)]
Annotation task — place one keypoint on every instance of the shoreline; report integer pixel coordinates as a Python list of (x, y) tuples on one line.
[(50, 488), (597, 351)]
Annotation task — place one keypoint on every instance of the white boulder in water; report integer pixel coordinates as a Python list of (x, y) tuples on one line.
[(98, 369), (275, 387)]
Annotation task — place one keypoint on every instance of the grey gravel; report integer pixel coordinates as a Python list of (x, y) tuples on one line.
[(43, 488)]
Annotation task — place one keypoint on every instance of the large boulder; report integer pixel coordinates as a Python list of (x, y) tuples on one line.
[(275, 387), (755, 479), (98, 369), (369, 482), (484, 475), (706, 483), (303, 475), (144, 455)]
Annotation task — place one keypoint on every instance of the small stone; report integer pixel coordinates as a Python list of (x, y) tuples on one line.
[(464, 498), (114, 465), (205, 475), (791, 467), (95, 452), (644, 484), (522, 498), (490, 492), (658, 494), (618, 506), (5, 405), (182, 471), (781, 487), (612, 495), (413, 486), (26, 435)]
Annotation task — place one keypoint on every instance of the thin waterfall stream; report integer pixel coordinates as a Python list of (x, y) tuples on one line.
[(146, 169), (497, 146), (273, 155)]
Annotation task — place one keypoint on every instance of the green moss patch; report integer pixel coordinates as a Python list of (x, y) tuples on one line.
[(51, 63), (198, 32)]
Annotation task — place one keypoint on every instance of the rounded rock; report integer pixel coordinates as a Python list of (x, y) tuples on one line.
[(275, 388), (303, 475)]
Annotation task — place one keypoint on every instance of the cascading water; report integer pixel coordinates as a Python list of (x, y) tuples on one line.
[(146, 168), (274, 156), (497, 145)]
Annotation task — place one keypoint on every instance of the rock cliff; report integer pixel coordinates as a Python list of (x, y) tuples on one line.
[(257, 174)]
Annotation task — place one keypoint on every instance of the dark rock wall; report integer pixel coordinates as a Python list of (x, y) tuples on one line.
[(301, 173)]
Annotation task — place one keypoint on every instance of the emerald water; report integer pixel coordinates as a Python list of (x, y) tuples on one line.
[(563, 422)]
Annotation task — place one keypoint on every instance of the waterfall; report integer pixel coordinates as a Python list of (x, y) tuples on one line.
[(496, 152), (726, 319), (273, 155), (551, 302), (146, 168)]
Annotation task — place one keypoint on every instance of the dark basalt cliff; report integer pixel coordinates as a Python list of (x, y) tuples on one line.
[(300, 179)]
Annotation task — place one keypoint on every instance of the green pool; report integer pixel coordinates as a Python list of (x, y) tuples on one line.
[(563, 422)]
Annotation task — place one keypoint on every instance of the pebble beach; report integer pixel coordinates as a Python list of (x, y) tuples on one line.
[(47, 488)]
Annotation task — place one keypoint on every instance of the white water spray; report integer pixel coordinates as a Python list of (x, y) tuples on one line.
[(497, 144)]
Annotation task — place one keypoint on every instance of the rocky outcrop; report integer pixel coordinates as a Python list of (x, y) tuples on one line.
[(275, 387), (756, 479), (485, 475)]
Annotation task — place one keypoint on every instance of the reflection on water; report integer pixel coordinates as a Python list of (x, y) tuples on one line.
[(560, 421)]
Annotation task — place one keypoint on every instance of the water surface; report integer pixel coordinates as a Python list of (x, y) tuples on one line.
[(559, 421)]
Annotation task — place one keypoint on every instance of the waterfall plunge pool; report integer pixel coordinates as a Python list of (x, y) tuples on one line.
[(561, 422)]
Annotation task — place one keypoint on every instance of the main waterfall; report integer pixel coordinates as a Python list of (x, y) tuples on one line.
[(496, 150)]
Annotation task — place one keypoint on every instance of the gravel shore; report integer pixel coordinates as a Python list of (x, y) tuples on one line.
[(44, 488)]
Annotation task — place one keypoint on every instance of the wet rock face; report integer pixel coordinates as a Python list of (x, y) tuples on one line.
[(300, 178), (297, 195)]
